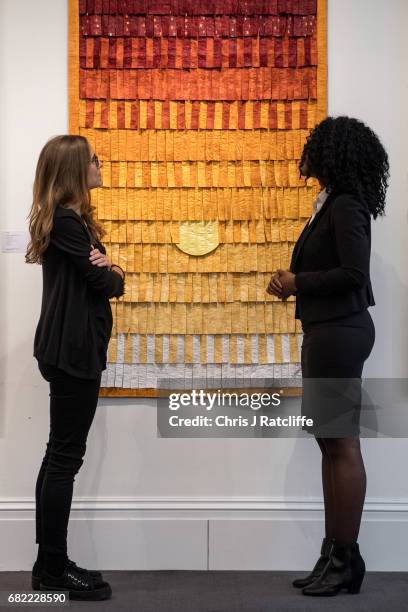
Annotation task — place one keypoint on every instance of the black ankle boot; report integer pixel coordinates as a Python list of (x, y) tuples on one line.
[(344, 570), (299, 583)]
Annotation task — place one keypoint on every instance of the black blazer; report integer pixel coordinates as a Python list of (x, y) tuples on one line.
[(331, 261), (76, 319)]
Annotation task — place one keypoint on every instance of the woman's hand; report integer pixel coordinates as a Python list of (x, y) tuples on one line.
[(275, 286), (118, 269), (99, 259), (287, 280), (282, 284)]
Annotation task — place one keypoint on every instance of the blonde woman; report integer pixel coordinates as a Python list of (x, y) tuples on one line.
[(70, 344)]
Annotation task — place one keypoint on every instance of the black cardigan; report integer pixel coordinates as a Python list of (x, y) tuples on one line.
[(331, 261), (75, 322)]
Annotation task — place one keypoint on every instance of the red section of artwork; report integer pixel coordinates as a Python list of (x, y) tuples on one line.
[(228, 51), (204, 7), (190, 27), (225, 116)]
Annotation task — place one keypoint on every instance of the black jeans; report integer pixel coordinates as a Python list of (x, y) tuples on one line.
[(73, 403)]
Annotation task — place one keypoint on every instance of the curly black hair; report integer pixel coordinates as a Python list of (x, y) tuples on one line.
[(345, 155)]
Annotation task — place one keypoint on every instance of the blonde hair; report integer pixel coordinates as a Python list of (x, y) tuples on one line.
[(60, 180)]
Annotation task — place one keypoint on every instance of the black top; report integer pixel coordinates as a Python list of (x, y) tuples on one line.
[(331, 260), (76, 319)]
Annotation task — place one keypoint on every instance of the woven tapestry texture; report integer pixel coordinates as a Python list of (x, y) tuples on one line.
[(199, 112)]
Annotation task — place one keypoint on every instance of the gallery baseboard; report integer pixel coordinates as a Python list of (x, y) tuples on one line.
[(203, 533)]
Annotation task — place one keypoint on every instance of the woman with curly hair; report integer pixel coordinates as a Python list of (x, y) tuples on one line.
[(330, 277), (70, 344)]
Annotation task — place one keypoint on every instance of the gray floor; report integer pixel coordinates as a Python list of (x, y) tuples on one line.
[(178, 591)]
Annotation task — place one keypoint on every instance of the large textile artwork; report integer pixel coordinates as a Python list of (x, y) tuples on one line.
[(199, 112)]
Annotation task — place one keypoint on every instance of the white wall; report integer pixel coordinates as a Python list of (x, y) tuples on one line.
[(164, 503)]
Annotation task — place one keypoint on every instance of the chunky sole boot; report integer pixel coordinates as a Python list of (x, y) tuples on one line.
[(344, 570), (321, 563), (36, 575), (79, 584)]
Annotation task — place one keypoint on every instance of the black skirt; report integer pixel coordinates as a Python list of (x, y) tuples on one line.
[(333, 356)]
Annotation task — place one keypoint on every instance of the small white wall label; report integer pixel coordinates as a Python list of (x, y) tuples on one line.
[(14, 242)]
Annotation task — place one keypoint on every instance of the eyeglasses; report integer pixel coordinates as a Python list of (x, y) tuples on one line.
[(95, 160)]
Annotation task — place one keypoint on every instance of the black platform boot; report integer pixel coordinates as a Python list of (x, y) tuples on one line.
[(327, 544), (344, 570)]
